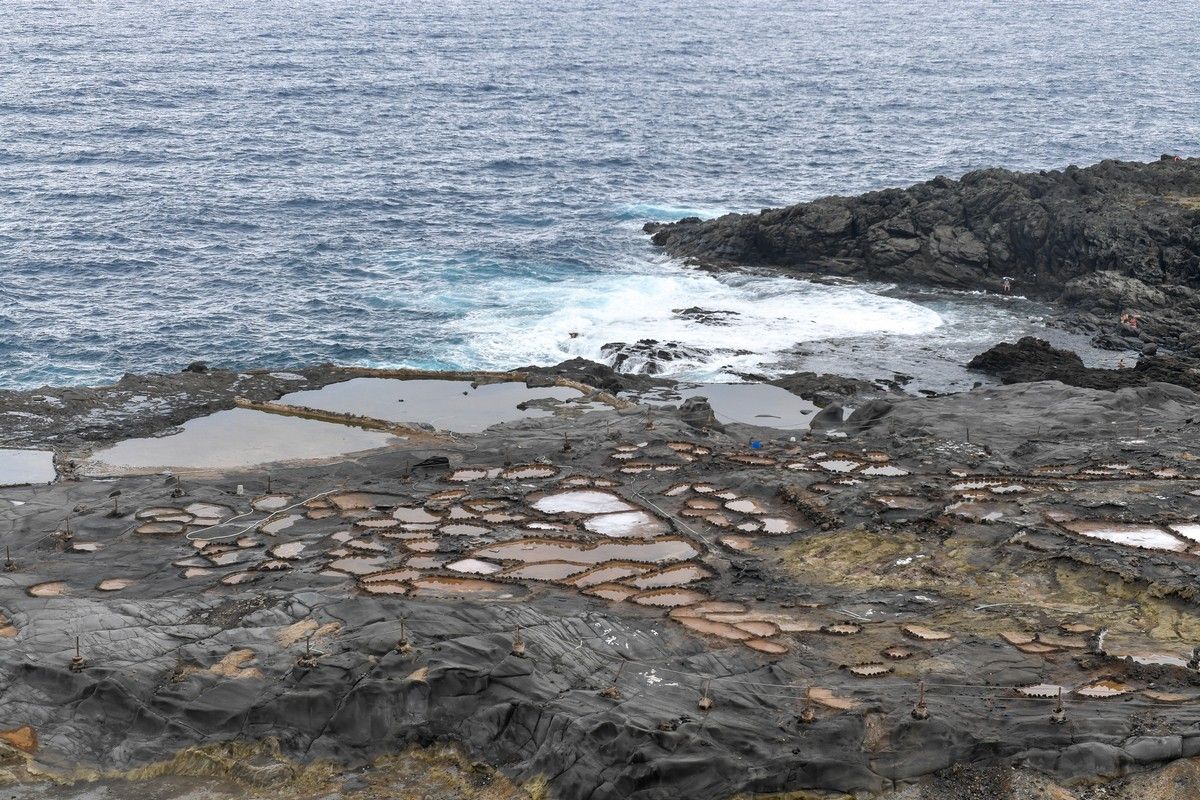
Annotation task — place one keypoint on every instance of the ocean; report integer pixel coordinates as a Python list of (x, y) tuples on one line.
[(462, 185)]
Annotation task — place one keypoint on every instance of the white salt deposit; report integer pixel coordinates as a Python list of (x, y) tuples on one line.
[(626, 523), (582, 502)]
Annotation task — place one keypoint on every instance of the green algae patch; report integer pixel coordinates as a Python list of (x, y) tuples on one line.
[(259, 770), (856, 557)]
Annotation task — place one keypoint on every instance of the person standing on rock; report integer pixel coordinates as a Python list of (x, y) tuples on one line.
[(1006, 284)]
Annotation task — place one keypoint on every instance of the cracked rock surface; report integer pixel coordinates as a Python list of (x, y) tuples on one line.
[(616, 605)]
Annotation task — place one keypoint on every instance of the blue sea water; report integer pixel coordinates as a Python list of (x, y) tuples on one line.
[(462, 184)]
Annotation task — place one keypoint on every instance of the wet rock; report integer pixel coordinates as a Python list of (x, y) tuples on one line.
[(868, 415), (196, 366), (592, 373), (1082, 760), (704, 316), (697, 413), (831, 416), (1114, 237), (649, 356), (822, 388), (1147, 749), (1031, 359)]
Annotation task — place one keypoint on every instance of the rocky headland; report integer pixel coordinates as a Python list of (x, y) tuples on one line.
[(1113, 240), (574, 582)]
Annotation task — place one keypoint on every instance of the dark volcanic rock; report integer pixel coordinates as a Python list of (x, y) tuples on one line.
[(822, 388), (868, 415), (704, 316), (831, 416), (1116, 237), (592, 373), (1032, 359), (697, 413), (648, 356)]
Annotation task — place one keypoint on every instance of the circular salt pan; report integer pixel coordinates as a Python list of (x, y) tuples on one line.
[(871, 670), (385, 587), (160, 528), (668, 598), (546, 571), (534, 550), (163, 513), (747, 505), (926, 634), (778, 525), (270, 502), (1101, 689), (611, 591), (465, 475), (438, 585), (276, 525), (678, 575), (607, 573), (474, 566), (356, 565), (1149, 537), (626, 524), (887, 471), (114, 584), (287, 550), (415, 515), (581, 502)]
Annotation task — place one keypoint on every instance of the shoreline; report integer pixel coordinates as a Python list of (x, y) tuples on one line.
[(582, 582), (877, 518)]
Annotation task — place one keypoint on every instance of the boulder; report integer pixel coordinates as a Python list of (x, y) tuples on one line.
[(868, 415), (829, 417), (697, 413)]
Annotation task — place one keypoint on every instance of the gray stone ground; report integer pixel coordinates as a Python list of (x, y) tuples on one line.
[(176, 662)]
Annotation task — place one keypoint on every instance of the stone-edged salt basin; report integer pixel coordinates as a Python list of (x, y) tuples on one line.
[(582, 501), (1146, 537), (235, 439), (445, 404), (26, 467)]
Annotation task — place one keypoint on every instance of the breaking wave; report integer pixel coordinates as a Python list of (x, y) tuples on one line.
[(721, 324)]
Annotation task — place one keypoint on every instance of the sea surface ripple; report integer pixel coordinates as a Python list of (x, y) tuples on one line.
[(462, 184)]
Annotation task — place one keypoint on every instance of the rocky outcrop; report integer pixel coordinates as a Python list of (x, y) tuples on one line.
[(821, 389), (601, 376), (1113, 238), (649, 356), (1032, 359)]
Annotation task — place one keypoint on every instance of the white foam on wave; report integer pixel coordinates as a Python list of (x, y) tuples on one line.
[(770, 316), (669, 213)]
